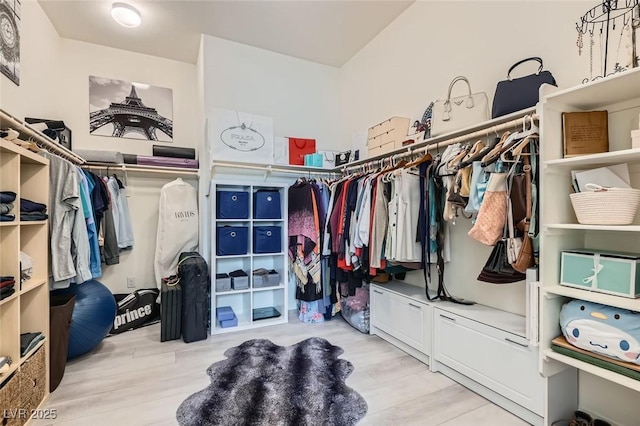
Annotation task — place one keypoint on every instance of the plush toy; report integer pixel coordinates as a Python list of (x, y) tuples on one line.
[(609, 331)]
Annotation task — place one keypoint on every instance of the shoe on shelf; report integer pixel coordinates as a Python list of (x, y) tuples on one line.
[(598, 422), (580, 418)]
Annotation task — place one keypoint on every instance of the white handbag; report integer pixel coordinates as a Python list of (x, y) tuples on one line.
[(456, 113)]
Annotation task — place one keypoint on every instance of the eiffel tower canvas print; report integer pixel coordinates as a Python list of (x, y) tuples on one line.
[(123, 109)]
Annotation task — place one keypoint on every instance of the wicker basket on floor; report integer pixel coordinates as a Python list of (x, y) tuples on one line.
[(606, 206)]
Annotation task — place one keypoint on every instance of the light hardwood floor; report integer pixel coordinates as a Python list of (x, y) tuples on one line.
[(134, 379)]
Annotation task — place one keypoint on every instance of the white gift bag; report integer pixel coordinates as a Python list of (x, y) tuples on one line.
[(240, 136), (328, 158), (281, 150)]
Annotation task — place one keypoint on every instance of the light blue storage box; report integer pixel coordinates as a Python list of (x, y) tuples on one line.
[(233, 322), (608, 272)]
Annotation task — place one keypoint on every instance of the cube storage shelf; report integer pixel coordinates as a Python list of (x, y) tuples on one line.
[(27, 310), (559, 230), (244, 301)]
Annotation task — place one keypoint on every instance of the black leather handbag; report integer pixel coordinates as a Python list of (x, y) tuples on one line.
[(497, 269), (515, 94)]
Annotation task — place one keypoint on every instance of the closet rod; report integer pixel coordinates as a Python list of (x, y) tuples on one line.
[(134, 168), (269, 168), (482, 133), (42, 140)]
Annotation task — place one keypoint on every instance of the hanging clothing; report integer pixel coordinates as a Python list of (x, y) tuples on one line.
[(110, 251), (304, 241), (80, 248), (92, 231), (99, 199), (380, 223), (121, 215), (64, 201)]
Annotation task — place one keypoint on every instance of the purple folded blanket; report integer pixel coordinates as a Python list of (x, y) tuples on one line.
[(167, 162)]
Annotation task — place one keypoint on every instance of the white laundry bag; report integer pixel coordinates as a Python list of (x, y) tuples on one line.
[(177, 227)]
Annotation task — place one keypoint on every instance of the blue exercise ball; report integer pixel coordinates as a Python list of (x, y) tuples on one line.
[(92, 318)]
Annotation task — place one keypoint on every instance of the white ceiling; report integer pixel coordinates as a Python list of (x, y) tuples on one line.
[(327, 32)]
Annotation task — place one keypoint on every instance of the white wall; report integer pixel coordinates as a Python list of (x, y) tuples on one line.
[(301, 96), (55, 84), (39, 67), (415, 58), (82, 60)]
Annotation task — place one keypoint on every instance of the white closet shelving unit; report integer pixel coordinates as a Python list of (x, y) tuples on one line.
[(620, 96), (244, 301), (27, 310), (486, 349)]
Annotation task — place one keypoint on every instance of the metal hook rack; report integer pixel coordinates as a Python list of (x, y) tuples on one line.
[(606, 14)]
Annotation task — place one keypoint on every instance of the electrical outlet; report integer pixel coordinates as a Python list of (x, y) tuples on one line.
[(131, 282)]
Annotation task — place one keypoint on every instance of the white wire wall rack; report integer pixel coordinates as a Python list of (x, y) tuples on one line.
[(39, 138)]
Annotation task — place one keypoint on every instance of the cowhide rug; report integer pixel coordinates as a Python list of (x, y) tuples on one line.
[(261, 383)]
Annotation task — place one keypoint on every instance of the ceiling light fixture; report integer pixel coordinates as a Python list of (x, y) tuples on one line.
[(126, 15)]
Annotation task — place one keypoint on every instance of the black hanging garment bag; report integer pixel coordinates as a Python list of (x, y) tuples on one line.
[(194, 279)]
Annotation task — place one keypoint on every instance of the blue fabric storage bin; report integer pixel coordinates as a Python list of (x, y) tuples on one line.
[(266, 205), (224, 313), (232, 205), (232, 240), (267, 239)]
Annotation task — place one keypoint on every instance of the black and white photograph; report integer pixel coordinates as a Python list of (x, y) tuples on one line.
[(123, 109), (10, 39)]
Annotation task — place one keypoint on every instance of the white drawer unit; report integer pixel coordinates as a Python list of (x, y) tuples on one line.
[(499, 360), (404, 321)]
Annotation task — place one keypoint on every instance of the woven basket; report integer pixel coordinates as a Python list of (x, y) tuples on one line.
[(33, 380), (606, 206), (10, 400)]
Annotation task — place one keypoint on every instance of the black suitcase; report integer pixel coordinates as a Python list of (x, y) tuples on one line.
[(170, 311), (194, 279)]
